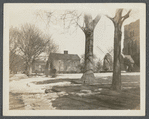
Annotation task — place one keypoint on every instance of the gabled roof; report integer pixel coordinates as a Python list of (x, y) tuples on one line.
[(59, 56)]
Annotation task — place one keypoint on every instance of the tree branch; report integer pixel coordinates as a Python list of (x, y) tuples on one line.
[(126, 16), (22, 50), (96, 20), (82, 28), (112, 19), (87, 19)]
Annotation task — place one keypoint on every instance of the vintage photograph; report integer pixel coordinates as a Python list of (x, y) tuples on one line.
[(83, 57)]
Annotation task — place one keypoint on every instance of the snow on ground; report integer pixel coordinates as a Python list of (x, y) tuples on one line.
[(34, 97), (26, 85), (78, 76)]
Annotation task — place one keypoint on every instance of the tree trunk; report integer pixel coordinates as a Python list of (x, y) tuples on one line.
[(117, 21), (29, 69), (46, 69), (88, 74), (116, 81)]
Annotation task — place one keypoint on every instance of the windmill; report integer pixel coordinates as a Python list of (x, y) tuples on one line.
[(106, 58)]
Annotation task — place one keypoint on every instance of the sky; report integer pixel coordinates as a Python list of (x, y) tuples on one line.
[(20, 14)]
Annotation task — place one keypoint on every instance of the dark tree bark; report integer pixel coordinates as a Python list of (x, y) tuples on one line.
[(46, 69), (117, 21), (49, 62), (88, 74)]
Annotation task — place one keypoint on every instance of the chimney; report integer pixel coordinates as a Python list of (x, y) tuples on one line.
[(65, 52)]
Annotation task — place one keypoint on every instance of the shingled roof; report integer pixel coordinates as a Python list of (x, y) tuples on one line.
[(58, 56)]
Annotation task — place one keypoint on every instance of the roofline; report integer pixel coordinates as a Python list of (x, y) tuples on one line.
[(131, 23)]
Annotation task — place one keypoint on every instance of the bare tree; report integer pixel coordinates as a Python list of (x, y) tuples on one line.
[(88, 29), (51, 47), (98, 66), (117, 21), (14, 60), (31, 43), (71, 18)]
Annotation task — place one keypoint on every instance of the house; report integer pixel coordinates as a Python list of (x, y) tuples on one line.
[(127, 63), (38, 66), (132, 41), (64, 63)]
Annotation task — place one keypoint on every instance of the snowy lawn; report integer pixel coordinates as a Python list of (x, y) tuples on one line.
[(66, 92)]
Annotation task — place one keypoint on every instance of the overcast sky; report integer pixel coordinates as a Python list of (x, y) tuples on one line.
[(20, 14)]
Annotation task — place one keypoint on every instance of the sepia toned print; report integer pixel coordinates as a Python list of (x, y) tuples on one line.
[(74, 59)]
